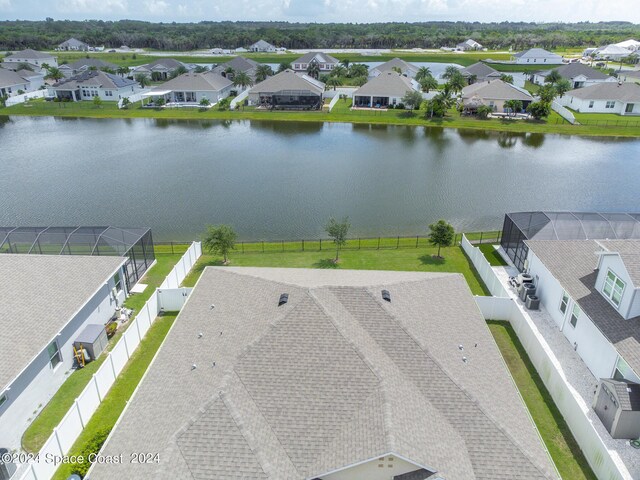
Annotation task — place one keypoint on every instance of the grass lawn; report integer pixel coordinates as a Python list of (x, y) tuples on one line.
[(554, 431), (114, 403), (51, 415), (604, 119), (492, 255)]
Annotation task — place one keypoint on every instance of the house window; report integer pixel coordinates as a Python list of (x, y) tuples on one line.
[(575, 313), (118, 282), (564, 302), (610, 104), (54, 354), (613, 288), (590, 103), (3, 400)]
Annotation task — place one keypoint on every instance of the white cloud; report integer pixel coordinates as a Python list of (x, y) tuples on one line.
[(156, 7), (92, 6), (5, 4)]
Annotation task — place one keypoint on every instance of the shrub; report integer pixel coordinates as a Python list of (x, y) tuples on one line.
[(400, 106), (111, 329), (92, 446), (539, 110), (484, 111), (20, 92)]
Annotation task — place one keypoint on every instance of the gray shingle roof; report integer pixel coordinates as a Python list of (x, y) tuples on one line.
[(320, 57), (51, 290), (262, 44), (239, 64), (91, 62), (629, 251), (333, 377), (495, 90), (405, 67), (481, 71), (29, 54), (386, 84), (196, 82), (628, 394), (288, 80), (537, 53), (622, 92), (572, 70), (94, 78), (573, 263), (73, 42), (9, 78)]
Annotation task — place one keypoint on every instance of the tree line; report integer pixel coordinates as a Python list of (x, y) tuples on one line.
[(19, 34)]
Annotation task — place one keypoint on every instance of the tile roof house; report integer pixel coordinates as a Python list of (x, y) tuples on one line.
[(494, 93), (537, 56), (578, 74), (591, 289), (160, 69), (387, 89), (325, 62), (73, 44), (58, 296), (480, 72), (406, 68), (193, 88), (92, 83), (29, 57), (622, 98), (330, 383), (262, 46), (84, 64), (288, 90), (237, 64)]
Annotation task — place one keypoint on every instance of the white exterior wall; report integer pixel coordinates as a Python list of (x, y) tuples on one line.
[(615, 264), (39, 381), (14, 89), (117, 93), (51, 61), (599, 106), (371, 470), (539, 61), (593, 347)]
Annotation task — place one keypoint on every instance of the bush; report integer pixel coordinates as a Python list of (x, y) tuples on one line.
[(539, 110), (92, 446), (400, 106), (484, 111), (111, 329)]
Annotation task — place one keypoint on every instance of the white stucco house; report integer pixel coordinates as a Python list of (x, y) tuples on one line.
[(622, 98), (262, 46), (578, 74), (384, 91), (30, 57), (11, 83), (537, 56), (631, 44), (160, 69), (326, 63), (94, 83), (469, 44), (74, 45), (55, 298), (611, 52), (192, 88)]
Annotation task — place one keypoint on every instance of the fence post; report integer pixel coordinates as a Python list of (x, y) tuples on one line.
[(95, 382), (320, 244), (418, 236), (55, 432), (398, 243), (481, 237), (262, 246), (358, 243), (242, 243), (303, 245), (283, 245), (378, 243), (75, 402)]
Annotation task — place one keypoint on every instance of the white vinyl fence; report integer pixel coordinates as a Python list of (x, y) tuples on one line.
[(571, 405), (484, 268), (16, 99), (72, 424), (239, 100), (563, 112)]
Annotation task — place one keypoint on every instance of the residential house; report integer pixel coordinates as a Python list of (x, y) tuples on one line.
[(632, 76), (494, 93), (622, 98), (48, 301), (262, 46), (480, 72), (193, 88), (578, 74), (631, 44), (395, 64), (84, 64), (288, 90), (290, 374), (73, 44), (11, 83), (326, 63), (591, 290), (383, 91), (237, 65), (160, 69), (469, 44), (32, 58), (94, 83), (537, 56), (611, 52)]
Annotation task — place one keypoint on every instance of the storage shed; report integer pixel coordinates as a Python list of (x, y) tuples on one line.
[(617, 404), (93, 339)]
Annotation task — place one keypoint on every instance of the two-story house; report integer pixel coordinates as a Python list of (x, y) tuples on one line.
[(326, 63)]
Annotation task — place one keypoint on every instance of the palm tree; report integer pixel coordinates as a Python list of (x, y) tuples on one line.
[(242, 80), (313, 70), (562, 86), (506, 78), (333, 82), (449, 72), (54, 74), (345, 63), (284, 66), (552, 77), (262, 72), (514, 106), (122, 71), (428, 83), (457, 82), (201, 69), (423, 72), (179, 71), (358, 70), (339, 71), (142, 79), (229, 73)]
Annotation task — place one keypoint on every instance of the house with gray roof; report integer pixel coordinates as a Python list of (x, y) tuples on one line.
[(94, 83), (480, 72), (32, 58), (494, 93), (11, 83), (74, 45), (618, 97), (294, 374), (262, 46), (192, 88), (326, 63), (631, 76), (537, 56), (160, 69), (84, 64), (578, 74), (407, 69), (611, 52), (384, 91), (47, 301), (591, 290), (237, 65), (468, 45), (287, 90)]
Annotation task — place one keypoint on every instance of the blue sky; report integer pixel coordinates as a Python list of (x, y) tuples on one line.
[(324, 10)]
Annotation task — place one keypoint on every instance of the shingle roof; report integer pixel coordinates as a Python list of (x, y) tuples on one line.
[(94, 78), (397, 63), (629, 251), (333, 377), (386, 84), (262, 44), (495, 90), (288, 80), (573, 263), (29, 53), (167, 63), (613, 50), (9, 78), (536, 53), (572, 70), (239, 64), (320, 57), (480, 70), (91, 62), (628, 394), (197, 82), (73, 42), (622, 92), (49, 291)]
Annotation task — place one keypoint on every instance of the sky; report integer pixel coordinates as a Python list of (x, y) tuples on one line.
[(362, 11)]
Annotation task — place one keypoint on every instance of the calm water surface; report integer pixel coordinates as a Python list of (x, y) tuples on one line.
[(277, 180)]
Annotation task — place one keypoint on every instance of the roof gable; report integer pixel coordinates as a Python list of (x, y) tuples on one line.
[(496, 90), (387, 83), (319, 57), (288, 80), (619, 91)]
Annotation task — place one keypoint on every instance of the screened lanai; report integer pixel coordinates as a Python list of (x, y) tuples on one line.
[(134, 243), (522, 226)]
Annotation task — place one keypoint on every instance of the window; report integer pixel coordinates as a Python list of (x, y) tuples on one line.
[(118, 282), (590, 103), (610, 104), (613, 288), (54, 354), (564, 302), (3, 399), (575, 313)]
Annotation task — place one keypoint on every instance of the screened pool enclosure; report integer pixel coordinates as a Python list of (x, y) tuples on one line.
[(136, 244), (522, 226)]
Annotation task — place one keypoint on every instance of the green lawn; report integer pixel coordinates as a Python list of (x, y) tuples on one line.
[(116, 400), (604, 119), (554, 431), (51, 415), (492, 255)]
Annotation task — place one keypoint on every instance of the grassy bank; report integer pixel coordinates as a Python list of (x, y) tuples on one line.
[(341, 114)]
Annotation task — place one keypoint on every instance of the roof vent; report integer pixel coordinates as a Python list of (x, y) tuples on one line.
[(386, 295), (284, 298)]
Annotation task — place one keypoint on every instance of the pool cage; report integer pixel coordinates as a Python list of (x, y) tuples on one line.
[(134, 243), (522, 226)]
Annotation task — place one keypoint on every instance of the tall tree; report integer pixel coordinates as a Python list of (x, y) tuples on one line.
[(449, 72), (338, 231), (219, 239), (552, 77), (345, 63), (428, 83), (514, 106), (457, 82), (333, 82), (358, 70), (242, 80), (547, 93), (284, 66), (412, 99), (313, 70), (54, 74), (142, 79), (423, 72), (506, 78), (263, 71), (562, 86), (441, 234)]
